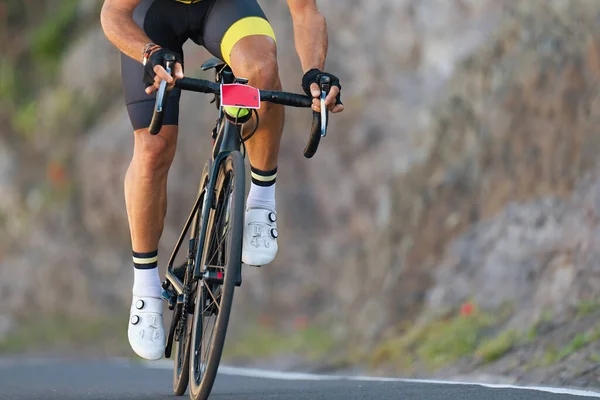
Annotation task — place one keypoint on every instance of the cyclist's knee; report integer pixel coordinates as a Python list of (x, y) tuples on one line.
[(155, 154), (255, 58)]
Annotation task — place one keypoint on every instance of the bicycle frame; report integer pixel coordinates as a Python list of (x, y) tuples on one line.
[(228, 140)]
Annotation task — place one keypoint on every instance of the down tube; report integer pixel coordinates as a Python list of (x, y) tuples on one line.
[(206, 207), (204, 219)]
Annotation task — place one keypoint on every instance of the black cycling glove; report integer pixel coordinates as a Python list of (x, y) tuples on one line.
[(157, 58), (314, 76)]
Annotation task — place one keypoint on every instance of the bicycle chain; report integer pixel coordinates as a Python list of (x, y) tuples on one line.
[(184, 307)]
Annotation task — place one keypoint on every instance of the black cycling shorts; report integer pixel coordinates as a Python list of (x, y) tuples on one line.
[(215, 24)]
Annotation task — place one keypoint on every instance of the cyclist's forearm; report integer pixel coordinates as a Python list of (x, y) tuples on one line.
[(310, 36), (120, 28)]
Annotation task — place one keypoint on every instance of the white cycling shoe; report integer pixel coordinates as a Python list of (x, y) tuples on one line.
[(260, 237), (146, 332)]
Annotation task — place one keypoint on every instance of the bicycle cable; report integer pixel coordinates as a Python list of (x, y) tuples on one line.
[(239, 130)]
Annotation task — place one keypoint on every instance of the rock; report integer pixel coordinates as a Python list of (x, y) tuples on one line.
[(102, 159), (91, 66)]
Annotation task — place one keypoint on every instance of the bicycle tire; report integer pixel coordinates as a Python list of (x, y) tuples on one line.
[(181, 368), (230, 184), (181, 358)]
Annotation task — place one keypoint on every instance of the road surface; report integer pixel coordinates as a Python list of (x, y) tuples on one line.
[(49, 379)]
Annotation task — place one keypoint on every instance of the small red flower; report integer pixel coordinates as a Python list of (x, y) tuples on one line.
[(467, 309)]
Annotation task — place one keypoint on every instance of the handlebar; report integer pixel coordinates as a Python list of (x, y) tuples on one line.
[(319, 123)]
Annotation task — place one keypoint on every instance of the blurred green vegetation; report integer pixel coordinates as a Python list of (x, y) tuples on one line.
[(259, 342), (492, 349), (9, 81), (441, 341), (532, 333), (47, 41), (24, 119), (586, 307), (554, 353), (61, 333), (42, 117), (479, 335), (38, 35), (578, 342)]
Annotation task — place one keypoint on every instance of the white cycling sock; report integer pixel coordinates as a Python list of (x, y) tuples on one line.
[(146, 281), (262, 189), (261, 197)]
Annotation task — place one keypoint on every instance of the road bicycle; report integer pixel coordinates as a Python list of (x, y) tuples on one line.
[(200, 291)]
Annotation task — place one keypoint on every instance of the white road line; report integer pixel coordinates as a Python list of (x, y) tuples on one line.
[(299, 376)]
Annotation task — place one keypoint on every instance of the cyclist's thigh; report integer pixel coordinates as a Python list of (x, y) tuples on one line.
[(231, 20), (161, 20)]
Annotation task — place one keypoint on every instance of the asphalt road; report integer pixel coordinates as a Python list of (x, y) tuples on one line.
[(62, 379)]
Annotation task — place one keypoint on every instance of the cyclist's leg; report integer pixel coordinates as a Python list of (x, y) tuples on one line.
[(238, 32), (145, 184)]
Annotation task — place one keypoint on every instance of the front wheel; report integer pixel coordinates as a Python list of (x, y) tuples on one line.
[(183, 328), (221, 261)]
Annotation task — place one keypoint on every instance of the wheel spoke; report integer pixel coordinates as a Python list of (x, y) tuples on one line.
[(218, 246), (210, 305), (215, 301)]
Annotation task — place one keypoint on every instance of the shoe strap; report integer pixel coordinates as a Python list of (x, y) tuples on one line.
[(143, 305)]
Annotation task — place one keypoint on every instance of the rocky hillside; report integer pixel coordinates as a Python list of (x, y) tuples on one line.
[(494, 224), (449, 180)]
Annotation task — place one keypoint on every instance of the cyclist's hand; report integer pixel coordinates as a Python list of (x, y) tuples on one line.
[(154, 72), (311, 88)]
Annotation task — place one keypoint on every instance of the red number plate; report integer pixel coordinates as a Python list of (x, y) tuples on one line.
[(238, 95)]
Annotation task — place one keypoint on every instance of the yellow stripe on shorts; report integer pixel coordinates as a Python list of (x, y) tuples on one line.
[(240, 29), (188, 1)]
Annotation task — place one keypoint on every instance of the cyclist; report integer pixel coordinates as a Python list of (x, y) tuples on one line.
[(237, 32)]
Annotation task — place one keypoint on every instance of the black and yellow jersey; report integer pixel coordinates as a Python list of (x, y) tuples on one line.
[(215, 24)]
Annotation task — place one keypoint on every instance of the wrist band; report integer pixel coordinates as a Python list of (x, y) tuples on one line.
[(148, 49)]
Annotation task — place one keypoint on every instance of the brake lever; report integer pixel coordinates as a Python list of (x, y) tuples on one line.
[(161, 99), (325, 87), (163, 86)]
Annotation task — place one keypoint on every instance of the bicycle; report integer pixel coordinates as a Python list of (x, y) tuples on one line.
[(200, 291)]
